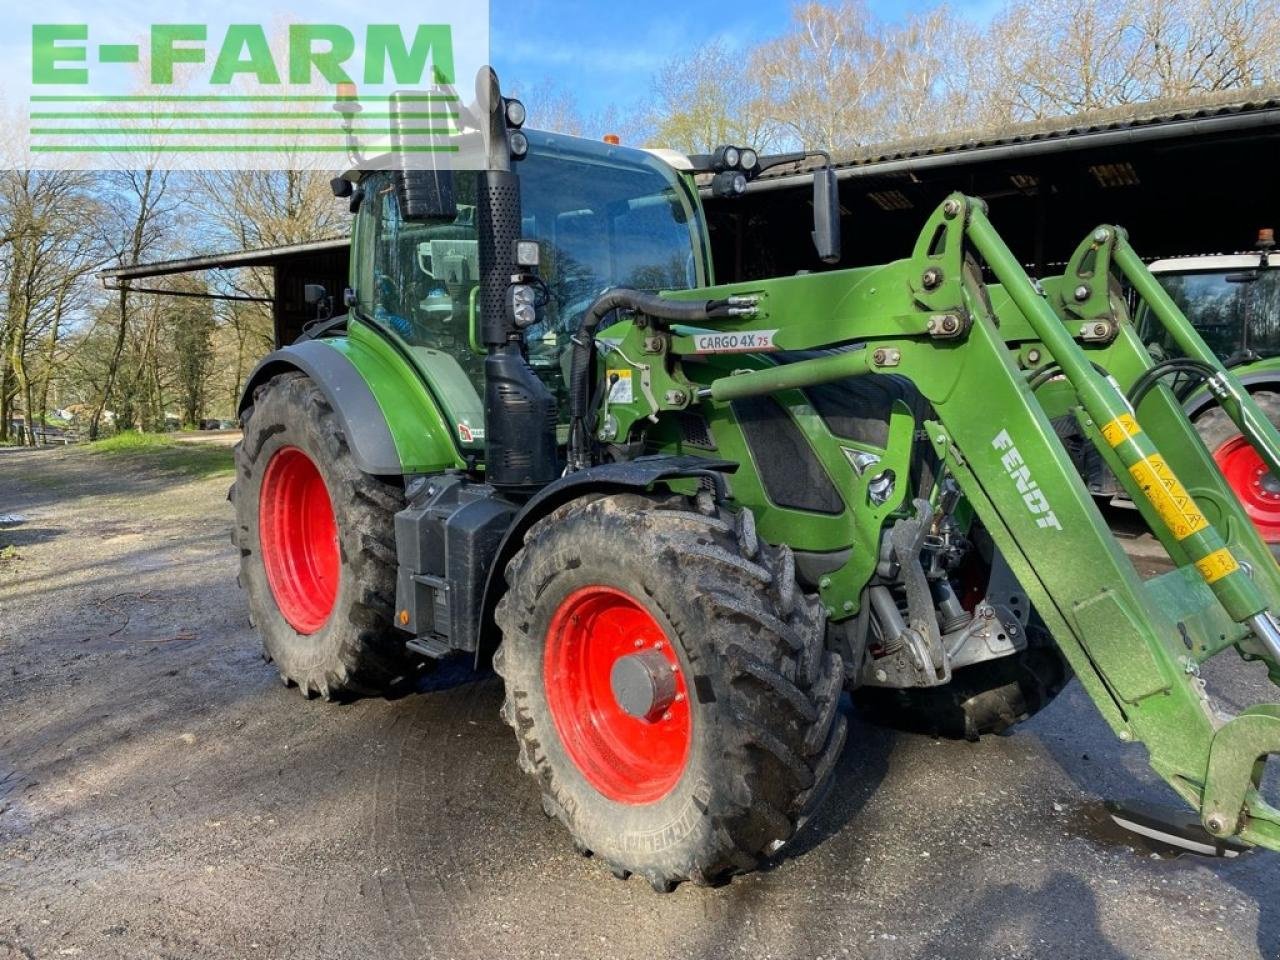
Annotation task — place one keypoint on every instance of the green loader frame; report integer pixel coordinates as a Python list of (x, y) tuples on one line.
[(997, 364)]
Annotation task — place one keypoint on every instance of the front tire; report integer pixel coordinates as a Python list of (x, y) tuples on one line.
[(317, 547), (668, 685)]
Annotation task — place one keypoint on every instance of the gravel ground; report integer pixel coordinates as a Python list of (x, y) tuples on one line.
[(163, 795)]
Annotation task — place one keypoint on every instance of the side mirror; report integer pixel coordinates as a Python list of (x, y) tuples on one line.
[(826, 215), (315, 295), (425, 194)]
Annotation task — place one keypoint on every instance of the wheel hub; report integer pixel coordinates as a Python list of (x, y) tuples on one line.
[(1256, 487), (298, 537), (644, 684), (617, 695)]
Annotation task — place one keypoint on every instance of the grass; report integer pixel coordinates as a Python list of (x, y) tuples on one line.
[(162, 451)]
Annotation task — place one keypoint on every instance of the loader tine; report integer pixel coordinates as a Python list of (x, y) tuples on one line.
[(1177, 828)]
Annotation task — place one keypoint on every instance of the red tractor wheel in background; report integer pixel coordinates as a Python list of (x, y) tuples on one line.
[(668, 684), (1253, 483), (317, 547)]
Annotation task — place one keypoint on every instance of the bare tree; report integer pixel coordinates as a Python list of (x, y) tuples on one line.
[(141, 211), (48, 251), (710, 97), (824, 80)]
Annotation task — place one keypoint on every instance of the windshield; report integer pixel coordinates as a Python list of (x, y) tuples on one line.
[(605, 216), (1237, 312)]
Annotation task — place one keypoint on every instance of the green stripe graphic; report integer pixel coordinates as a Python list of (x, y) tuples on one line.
[(229, 131), (238, 98), (229, 115), (228, 148)]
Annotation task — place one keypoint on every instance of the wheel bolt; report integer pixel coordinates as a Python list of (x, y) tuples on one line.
[(667, 715)]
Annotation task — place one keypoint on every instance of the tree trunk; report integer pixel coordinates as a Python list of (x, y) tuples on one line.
[(51, 348), (114, 365)]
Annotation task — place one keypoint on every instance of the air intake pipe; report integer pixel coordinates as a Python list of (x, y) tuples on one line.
[(519, 410)]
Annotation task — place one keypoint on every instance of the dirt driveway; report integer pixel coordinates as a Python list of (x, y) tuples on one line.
[(163, 795)]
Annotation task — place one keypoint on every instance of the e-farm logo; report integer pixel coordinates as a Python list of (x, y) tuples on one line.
[(59, 53), (275, 94)]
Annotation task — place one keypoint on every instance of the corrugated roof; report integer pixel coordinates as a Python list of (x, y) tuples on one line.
[(1264, 102)]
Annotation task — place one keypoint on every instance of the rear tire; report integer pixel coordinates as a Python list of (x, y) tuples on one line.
[(761, 719), (321, 585)]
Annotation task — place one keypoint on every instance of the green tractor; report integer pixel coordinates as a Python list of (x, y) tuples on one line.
[(683, 519)]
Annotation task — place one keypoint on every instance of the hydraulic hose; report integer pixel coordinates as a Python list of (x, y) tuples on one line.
[(619, 298), (1043, 374), (1150, 377)]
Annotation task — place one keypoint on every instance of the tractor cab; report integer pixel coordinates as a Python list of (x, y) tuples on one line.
[(603, 216)]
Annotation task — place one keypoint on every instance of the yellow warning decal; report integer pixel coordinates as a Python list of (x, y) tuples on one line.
[(1168, 496), (1120, 429), (1217, 565)]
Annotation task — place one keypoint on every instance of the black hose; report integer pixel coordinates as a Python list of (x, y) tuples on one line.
[(1152, 375), (619, 298), (1043, 374)]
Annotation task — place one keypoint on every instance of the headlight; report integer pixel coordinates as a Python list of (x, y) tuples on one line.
[(749, 159), (516, 113), (731, 156), (730, 183), (520, 304), (518, 143)]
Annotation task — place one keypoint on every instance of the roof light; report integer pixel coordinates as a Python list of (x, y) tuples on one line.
[(613, 139), (346, 99), (729, 183), (516, 113)]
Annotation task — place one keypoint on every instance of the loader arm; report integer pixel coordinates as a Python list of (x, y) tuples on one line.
[(978, 355)]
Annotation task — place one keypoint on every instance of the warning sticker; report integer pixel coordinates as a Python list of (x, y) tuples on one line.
[(468, 433), (1120, 429), (621, 391), (1217, 565), (1170, 498), (744, 341)]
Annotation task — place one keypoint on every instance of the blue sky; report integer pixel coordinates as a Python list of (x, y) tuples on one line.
[(605, 52)]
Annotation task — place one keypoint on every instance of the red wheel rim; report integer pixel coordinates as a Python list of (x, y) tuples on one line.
[(299, 540), (1253, 483), (627, 758)]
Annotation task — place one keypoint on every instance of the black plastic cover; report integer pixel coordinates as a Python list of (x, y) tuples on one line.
[(446, 540)]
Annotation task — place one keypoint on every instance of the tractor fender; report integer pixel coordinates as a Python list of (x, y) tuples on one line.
[(388, 415), (641, 474), (357, 409)]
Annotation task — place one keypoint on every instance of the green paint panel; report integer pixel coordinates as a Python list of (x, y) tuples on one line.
[(422, 436)]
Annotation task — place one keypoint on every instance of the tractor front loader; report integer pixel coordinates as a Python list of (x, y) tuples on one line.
[(683, 519)]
